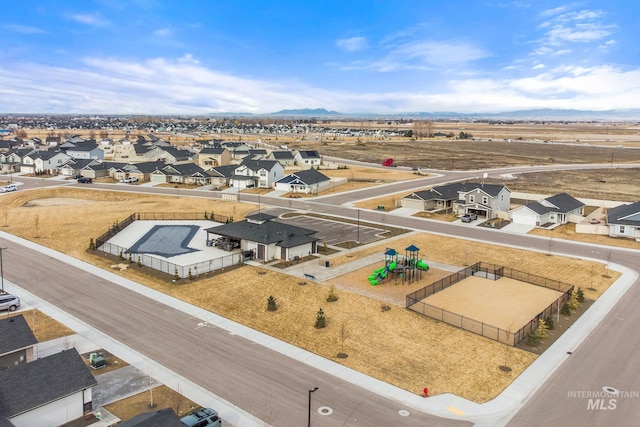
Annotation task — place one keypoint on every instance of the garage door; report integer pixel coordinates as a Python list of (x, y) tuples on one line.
[(524, 219), (412, 204)]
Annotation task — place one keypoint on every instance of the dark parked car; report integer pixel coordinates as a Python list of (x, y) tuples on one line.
[(85, 180)]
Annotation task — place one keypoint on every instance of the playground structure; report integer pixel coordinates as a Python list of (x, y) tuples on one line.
[(408, 268)]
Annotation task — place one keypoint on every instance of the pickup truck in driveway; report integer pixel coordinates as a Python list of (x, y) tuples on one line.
[(469, 217)]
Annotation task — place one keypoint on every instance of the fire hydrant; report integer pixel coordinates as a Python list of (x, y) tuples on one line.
[(425, 392)]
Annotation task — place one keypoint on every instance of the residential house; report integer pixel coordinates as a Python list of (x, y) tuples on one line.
[(257, 173), (268, 239), (53, 141), (12, 160), (285, 158), (551, 211), (17, 343), (257, 153), (51, 162), (86, 150), (484, 200), (142, 170), (308, 159), (210, 157), (96, 170), (185, 173), (173, 155), (221, 176), (307, 181), (74, 167), (624, 221), (47, 392)]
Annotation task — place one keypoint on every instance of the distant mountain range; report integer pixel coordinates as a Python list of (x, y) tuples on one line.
[(538, 114)]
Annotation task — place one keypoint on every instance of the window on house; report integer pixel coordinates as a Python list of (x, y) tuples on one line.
[(485, 200), (621, 230), (472, 198)]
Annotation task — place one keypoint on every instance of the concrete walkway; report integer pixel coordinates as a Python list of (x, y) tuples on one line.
[(492, 413)]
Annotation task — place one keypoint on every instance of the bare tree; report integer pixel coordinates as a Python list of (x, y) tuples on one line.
[(422, 128), (344, 335)]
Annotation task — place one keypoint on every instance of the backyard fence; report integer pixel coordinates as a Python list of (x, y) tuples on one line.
[(490, 271), (182, 271)]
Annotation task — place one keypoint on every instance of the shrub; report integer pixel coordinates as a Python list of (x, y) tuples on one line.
[(565, 310), (190, 274), (332, 295), (92, 245), (532, 338), (271, 303), (321, 319), (580, 295), (541, 331), (550, 323)]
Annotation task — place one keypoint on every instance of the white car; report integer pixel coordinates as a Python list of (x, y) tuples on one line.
[(8, 187), (129, 180)]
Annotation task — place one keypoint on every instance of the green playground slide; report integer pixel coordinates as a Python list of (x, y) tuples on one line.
[(422, 265), (381, 273)]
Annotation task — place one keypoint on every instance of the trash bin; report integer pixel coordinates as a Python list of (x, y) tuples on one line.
[(326, 263)]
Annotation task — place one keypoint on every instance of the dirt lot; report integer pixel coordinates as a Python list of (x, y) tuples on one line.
[(506, 303)]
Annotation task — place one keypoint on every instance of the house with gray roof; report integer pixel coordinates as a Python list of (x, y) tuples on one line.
[(268, 239), (256, 173), (210, 157), (549, 212), (285, 157), (221, 176), (485, 200), (184, 173), (73, 167), (96, 170), (307, 181), (624, 221), (308, 159), (17, 343), (49, 391), (86, 150)]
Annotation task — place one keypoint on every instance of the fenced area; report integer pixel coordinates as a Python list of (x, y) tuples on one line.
[(198, 260), (499, 303)]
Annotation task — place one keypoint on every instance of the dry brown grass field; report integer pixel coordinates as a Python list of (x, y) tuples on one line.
[(396, 346), (161, 396)]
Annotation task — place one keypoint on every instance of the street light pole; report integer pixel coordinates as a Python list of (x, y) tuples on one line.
[(358, 237), (1, 272), (311, 390)]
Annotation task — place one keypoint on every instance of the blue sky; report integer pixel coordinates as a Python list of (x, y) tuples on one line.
[(198, 57)]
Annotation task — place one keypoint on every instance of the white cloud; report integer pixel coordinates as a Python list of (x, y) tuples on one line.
[(353, 44), (538, 66), (93, 20), (183, 86), (24, 29), (188, 58), (582, 26), (163, 32)]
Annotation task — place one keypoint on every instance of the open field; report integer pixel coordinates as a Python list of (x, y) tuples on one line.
[(394, 346)]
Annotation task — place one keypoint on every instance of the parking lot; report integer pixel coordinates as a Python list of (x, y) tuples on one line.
[(334, 232)]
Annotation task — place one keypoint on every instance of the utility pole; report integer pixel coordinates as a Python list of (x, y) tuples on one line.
[(1, 272)]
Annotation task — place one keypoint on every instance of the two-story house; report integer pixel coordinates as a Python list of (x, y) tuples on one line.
[(257, 173), (211, 157)]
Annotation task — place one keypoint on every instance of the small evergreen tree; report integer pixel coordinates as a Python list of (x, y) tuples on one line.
[(321, 319), (542, 329), (271, 303), (130, 258), (120, 256), (580, 295), (92, 245), (573, 302), (190, 274), (206, 216), (532, 338), (139, 261), (550, 323), (176, 277), (565, 310)]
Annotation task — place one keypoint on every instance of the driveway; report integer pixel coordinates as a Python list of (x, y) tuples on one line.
[(518, 228)]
